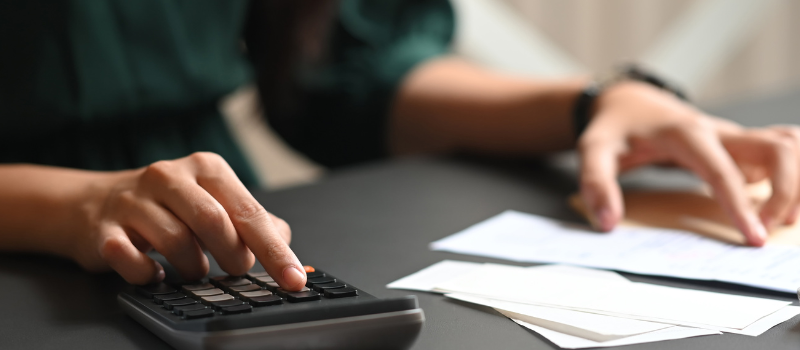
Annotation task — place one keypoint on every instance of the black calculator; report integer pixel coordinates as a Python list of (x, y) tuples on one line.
[(253, 312)]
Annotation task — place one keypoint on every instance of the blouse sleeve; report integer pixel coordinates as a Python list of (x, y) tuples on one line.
[(346, 100)]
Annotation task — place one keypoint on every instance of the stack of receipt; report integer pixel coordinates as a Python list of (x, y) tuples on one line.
[(578, 307)]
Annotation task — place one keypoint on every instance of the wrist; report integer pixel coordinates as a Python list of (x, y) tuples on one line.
[(88, 212), (627, 78)]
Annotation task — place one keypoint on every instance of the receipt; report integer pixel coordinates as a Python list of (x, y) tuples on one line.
[(528, 238), (641, 301)]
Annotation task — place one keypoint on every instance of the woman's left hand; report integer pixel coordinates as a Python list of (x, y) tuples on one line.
[(636, 124)]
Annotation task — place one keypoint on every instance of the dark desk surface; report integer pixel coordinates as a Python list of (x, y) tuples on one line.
[(370, 225)]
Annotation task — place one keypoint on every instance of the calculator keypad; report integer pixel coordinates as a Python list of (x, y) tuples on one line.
[(228, 295)]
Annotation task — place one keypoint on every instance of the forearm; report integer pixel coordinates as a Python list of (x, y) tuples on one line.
[(43, 208), (450, 105)]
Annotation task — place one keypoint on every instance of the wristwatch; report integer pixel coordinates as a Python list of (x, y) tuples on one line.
[(581, 110)]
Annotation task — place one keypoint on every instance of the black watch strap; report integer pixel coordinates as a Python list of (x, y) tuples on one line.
[(582, 109)]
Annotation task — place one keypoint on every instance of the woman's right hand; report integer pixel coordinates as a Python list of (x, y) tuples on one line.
[(176, 207)]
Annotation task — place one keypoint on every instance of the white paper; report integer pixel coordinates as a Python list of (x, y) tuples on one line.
[(426, 279), (640, 301), (766, 323), (575, 326), (577, 271), (528, 238), (580, 324), (570, 342)]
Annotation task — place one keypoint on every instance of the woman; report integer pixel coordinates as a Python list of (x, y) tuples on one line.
[(113, 145)]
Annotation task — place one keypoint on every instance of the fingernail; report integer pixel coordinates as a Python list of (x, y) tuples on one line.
[(605, 219), (159, 276), (294, 278), (761, 234)]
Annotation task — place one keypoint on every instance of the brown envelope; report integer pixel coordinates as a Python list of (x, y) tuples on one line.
[(693, 211)]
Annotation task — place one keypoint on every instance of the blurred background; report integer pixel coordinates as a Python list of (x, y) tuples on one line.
[(720, 51)]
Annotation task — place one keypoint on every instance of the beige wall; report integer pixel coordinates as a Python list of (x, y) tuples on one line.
[(599, 33)]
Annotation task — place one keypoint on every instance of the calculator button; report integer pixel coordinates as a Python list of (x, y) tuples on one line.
[(236, 309), (234, 282), (194, 287), (225, 303), (198, 314), (207, 292), (215, 298), (323, 286), (258, 293), (341, 292), (309, 269), (254, 275), (297, 297), (265, 300), (159, 299), (155, 289), (247, 288), (273, 286), (262, 281), (283, 292), (171, 304), (319, 280), (226, 278), (315, 274), (179, 310)]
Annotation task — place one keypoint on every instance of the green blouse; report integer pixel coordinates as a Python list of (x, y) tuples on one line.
[(118, 84)]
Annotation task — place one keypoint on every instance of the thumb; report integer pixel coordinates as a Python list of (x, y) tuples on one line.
[(598, 185)]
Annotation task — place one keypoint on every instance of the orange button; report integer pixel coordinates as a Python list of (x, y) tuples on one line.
[(309, 268)]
